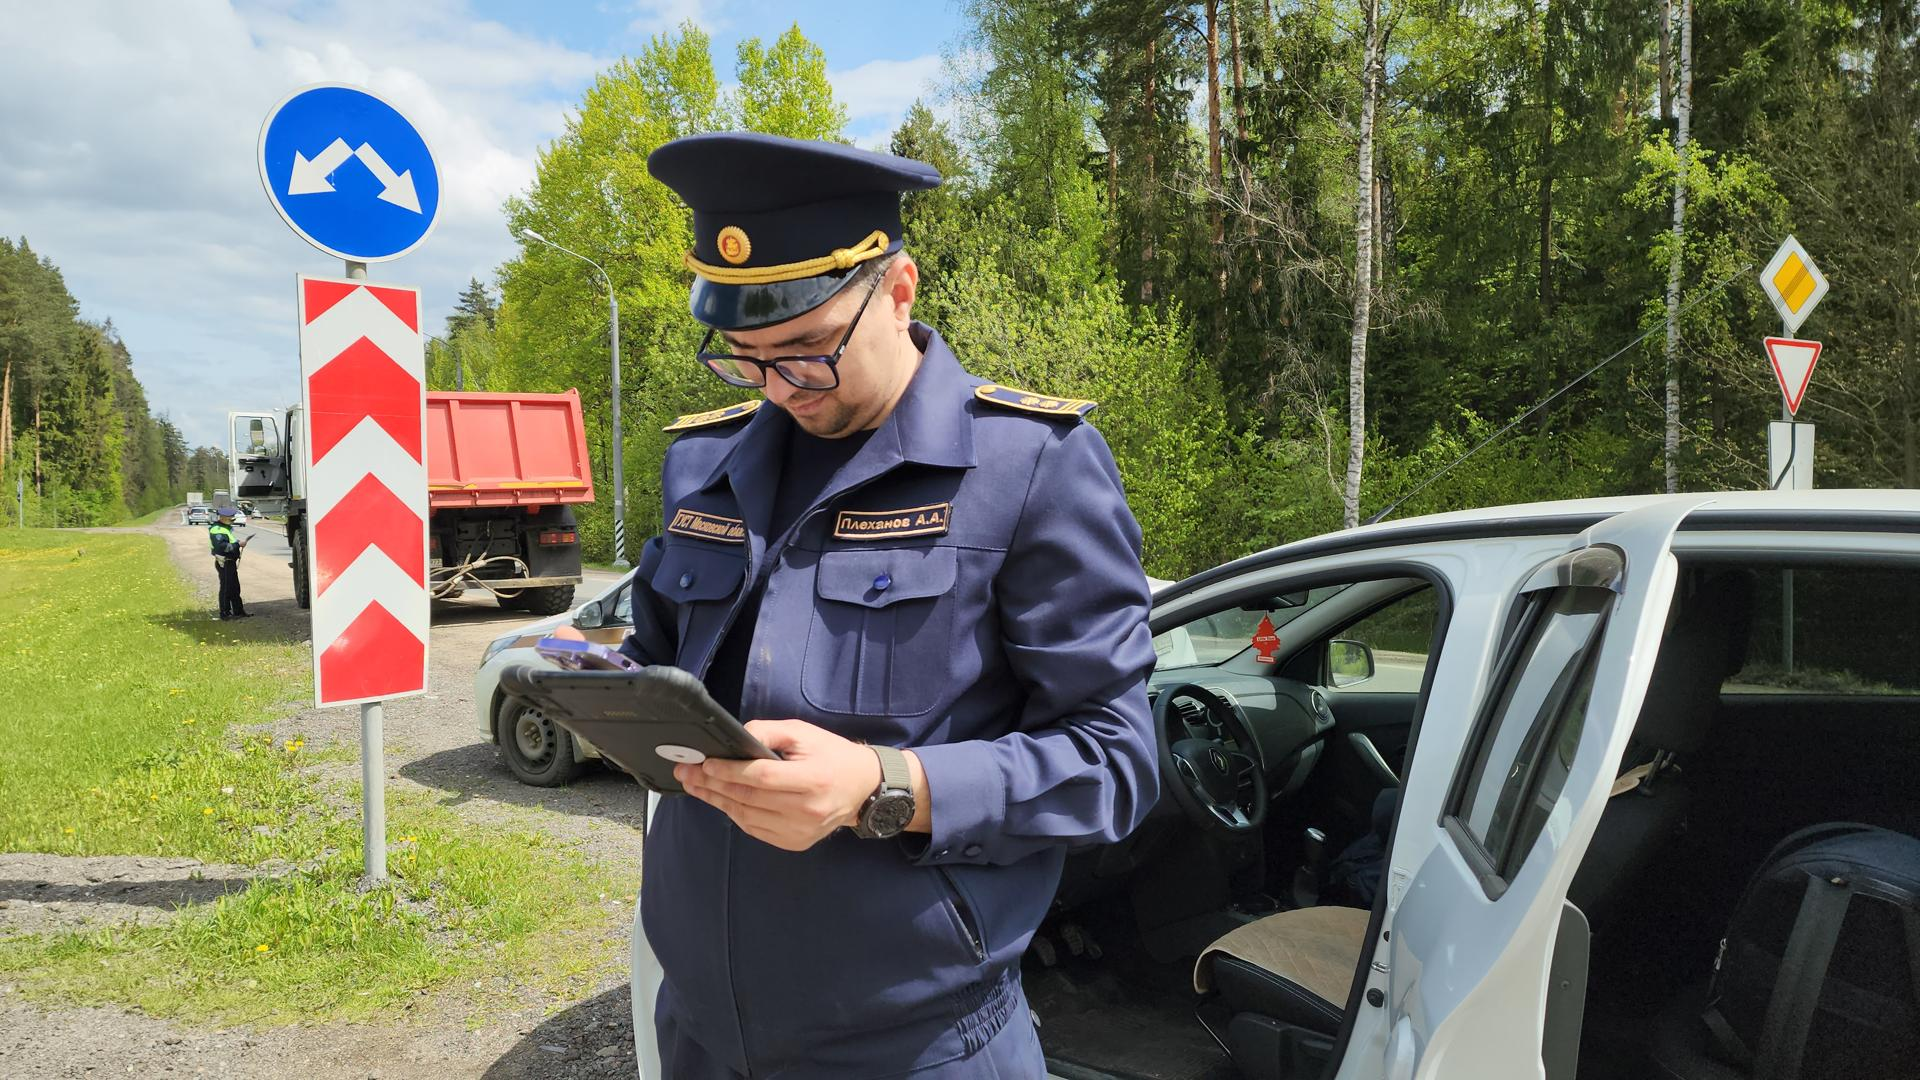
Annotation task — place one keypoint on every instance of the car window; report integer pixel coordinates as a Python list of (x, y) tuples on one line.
[(1218, 637), (622, 607), (1524, 744), (1852, 632), (1399, 636)]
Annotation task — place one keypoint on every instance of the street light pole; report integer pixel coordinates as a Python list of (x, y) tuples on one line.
[(619, 458)]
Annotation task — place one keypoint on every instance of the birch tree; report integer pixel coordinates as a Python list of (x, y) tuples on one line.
[(1683, 109), (1370, 75)]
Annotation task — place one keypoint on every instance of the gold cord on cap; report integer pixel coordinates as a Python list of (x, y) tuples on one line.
[(874, 246)]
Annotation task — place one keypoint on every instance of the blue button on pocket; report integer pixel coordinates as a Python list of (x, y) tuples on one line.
[(686, 580), (880, 583)]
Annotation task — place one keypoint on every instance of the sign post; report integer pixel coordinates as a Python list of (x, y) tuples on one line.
[(351, 176), (1796, 286)]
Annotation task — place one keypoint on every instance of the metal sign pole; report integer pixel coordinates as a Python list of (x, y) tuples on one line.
[(373, 789), (1796, 286), (373, 768), (619, 453), (1786, 576), (304, 141)]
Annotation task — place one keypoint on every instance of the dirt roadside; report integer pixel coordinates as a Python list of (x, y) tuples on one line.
[(434, 749)]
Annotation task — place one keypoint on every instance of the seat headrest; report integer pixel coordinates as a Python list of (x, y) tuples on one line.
[(1705, 643)]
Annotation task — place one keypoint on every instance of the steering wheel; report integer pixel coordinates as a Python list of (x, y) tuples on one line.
[(1205, 774)]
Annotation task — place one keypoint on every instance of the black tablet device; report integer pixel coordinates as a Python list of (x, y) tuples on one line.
[(645, 721)]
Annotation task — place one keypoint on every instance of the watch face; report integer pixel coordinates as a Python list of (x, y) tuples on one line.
[(889, 813)]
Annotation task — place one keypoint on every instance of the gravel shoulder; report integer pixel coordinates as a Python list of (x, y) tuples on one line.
[(496, 1028)]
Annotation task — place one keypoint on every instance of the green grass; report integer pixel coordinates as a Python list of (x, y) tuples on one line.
[(170, 513), (123, 735)]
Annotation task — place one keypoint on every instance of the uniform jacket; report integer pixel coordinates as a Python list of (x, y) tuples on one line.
[(221, 537), (968, 585)]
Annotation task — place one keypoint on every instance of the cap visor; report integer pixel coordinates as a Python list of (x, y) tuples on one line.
[(749, 307)]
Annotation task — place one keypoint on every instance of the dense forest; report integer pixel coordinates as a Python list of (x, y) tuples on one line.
[(1306, 253), (75, 429), (1244, 225)]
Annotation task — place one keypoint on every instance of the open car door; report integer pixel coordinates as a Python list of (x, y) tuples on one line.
[(1467, 966)]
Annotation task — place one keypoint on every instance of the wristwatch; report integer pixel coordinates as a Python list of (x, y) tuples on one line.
[(891, 806)]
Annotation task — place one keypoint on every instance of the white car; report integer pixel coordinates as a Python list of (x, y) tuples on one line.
[(535, 749), (1389, 843)]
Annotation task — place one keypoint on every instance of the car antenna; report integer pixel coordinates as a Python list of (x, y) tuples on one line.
[(1549, 399)]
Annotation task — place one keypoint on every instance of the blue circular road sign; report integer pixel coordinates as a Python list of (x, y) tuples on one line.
[(348, 173)]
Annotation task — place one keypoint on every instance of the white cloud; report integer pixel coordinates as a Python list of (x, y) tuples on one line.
[(878, 93), (127, 156), (653, 17)]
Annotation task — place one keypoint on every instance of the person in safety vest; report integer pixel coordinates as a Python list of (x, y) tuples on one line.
[(226, 562)]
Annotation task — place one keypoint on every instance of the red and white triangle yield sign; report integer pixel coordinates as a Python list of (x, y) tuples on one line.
[(362, 382), (1793, 361)]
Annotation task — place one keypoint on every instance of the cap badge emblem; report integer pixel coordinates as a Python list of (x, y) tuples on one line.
[(733, 244)]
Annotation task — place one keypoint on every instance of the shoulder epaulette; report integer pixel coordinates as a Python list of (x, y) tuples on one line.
[(714, 416), (1028, 401)]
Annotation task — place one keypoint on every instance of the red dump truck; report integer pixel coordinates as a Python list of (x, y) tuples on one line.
[(504, 472)]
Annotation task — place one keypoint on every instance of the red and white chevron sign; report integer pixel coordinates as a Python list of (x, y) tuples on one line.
[(362, 382)]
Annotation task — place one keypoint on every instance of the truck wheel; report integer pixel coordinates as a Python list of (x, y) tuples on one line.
[(297, 543), (537, 750), (547, 600)]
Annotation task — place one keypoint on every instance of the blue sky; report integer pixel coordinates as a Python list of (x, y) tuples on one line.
[(128, 145)]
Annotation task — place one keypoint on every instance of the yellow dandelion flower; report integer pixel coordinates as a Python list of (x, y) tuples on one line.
[(206, 811), (262, 949), (68, 831), (188, 720)]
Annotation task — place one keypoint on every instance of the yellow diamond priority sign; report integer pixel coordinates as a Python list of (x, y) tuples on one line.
[(1793, 283)]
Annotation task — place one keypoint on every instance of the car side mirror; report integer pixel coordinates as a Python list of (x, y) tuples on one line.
[(1348, 662), (588, 616)]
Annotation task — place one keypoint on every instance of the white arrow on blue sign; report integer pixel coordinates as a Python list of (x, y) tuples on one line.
[(348, 173)]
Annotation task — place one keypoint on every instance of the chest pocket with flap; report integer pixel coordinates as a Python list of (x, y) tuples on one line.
[(882, 628), (701, 582)]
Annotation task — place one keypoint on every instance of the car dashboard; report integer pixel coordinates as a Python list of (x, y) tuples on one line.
[(1286, 716)]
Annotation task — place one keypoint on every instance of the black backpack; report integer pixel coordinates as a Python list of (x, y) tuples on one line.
[(1818, 973)]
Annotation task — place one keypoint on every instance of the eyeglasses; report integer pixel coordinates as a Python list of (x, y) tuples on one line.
[(802, 372)]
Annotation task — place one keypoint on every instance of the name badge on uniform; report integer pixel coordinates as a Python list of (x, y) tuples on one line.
[(930, 520), (705, 526)]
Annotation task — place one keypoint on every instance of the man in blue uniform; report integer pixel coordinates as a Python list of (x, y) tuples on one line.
[(226, 562), (925, 593)]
